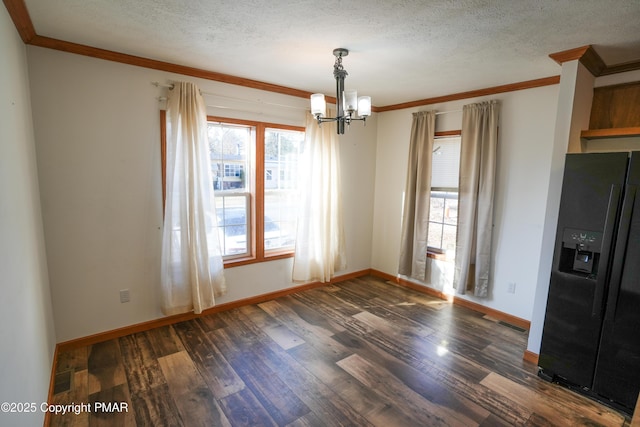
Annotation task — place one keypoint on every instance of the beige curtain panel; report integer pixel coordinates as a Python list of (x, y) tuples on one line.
[(192, 271), (417, 195), (320, 243), (478, 152)]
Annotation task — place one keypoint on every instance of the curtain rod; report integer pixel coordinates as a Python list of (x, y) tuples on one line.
[(247, 101), (171, 86)]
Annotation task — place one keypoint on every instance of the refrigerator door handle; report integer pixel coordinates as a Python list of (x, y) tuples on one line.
[(607, 243), (620, 251)]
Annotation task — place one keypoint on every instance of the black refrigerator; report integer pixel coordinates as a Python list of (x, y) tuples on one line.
[(591, 335)]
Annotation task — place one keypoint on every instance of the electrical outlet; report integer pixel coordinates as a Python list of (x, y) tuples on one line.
[(124, 295), (511, 288)]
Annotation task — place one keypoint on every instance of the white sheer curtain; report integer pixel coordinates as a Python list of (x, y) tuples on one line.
[(417, 195), (320, 246), (192, 270), (478, 155)]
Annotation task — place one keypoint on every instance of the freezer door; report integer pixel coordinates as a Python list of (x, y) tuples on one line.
[(617, 375), (571, 333)]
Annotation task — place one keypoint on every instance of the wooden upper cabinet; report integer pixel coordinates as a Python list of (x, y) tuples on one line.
[(615, 112), (616, 106)]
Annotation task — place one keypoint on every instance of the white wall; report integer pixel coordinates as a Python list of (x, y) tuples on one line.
[(526, 139), (26, 320), (98, 141)]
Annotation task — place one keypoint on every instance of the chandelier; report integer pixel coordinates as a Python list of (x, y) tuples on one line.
[(347, 101)]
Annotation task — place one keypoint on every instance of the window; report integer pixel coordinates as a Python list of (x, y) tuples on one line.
[(256, 218), (254, 168), (443, 210)]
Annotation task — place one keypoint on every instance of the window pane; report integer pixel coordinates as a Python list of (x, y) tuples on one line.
[(282, 152), (233, 224), (436, 206), (448, 238), (445, 162), (435, 235), (228, 148), (443, 221), (451, 209)]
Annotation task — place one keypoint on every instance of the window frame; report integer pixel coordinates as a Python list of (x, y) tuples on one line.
[(257, 252)]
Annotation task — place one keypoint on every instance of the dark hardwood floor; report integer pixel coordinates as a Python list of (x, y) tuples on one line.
[(359, 353)]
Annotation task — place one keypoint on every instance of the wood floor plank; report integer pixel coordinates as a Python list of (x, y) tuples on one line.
[(310, 316), (210, 323), (423, 411), (393, 325), (309, 420), (75, 359), (105, 366), (495, 421), (282, 334), (286, 312), (78, 393), (194, 400), (550, 409), (243, 409), (318, 339), (164, 341), (428, 302), (155, 407), (111, 407), (140, 363), (313, 390), (216, 371)]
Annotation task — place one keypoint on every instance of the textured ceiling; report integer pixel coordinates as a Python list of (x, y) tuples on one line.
[(400, 50)]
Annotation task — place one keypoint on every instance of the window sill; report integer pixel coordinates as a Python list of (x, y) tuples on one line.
[(438, 256), (237, 262)]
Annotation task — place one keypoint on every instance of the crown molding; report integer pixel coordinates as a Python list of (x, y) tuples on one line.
[(80, 49), (529, 84), (21, 19), (592, 61)]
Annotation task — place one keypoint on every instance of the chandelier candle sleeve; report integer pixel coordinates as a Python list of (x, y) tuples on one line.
[(347, 101), (364, 106), (350, 101), (318, 105)]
